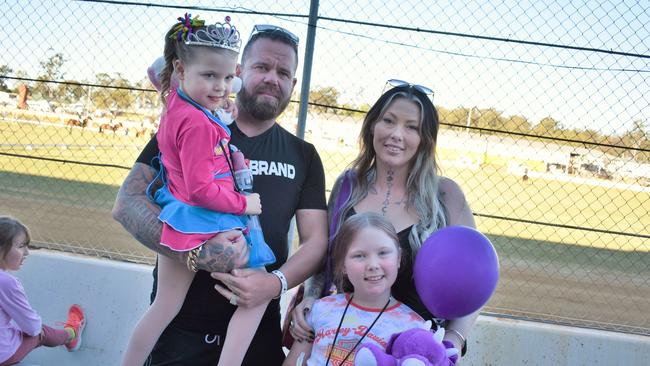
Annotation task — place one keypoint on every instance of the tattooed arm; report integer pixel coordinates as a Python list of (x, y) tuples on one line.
[(139, 216)]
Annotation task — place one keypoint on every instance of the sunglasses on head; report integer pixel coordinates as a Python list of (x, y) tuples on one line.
[(268, 28), (421, 88)]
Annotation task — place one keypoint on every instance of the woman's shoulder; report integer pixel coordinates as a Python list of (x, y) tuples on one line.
[(453, 199), (449, 186), (450, 191), (345, 175)]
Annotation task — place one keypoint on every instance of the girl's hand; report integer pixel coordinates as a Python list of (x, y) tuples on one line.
[(230, 106), (299, 328), (253, 204)]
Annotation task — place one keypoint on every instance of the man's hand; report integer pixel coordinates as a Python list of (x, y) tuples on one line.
[(224, 252), (252, 287)]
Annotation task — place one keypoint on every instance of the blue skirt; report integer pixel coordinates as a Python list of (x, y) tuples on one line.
[(188, 219)]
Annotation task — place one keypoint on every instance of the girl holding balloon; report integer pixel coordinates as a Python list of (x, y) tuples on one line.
[(366, 259), (396, 175)]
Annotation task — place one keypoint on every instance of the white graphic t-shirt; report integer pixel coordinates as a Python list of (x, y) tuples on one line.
[(326, 314)]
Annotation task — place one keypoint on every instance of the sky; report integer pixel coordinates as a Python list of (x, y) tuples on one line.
[(581, 89)]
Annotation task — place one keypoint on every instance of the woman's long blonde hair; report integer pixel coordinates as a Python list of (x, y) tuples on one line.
[(422, 183)]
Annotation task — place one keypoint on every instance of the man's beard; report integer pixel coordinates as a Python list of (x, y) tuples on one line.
[(261, 110)]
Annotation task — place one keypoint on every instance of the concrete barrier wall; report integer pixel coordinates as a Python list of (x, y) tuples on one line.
[(115, 294)]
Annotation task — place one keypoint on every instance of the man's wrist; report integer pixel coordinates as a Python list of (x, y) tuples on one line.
[(191, 258), (283, 282)]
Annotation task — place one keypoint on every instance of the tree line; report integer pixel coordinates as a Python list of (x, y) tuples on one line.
[(116, 96), (635, 141)]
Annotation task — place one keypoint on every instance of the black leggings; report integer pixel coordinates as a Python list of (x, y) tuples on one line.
[(180, 347)]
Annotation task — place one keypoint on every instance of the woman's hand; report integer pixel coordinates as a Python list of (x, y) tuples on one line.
[(299, 328)]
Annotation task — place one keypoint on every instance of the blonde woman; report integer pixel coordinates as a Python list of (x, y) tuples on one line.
[(396, 175)]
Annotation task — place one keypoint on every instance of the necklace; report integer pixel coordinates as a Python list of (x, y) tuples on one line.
[(389, 185), (360, 339)]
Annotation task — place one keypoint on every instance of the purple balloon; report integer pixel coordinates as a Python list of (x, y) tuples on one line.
[(456, 271)]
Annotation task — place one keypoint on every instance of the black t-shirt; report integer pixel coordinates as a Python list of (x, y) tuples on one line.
[(288, 175)]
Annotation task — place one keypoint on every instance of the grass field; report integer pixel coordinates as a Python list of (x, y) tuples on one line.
[(569, 275)]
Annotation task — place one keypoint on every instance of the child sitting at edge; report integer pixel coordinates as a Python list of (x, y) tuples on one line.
[(21, 328), (199, 196), (366, 257)]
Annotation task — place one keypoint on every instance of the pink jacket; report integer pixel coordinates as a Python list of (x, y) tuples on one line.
[(189, 143)]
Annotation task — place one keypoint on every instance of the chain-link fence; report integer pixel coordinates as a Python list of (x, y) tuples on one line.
[(544, 110)]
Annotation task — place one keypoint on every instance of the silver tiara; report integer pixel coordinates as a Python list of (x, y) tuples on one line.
[(219, 35)]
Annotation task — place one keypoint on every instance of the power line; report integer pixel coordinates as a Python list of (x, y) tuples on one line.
[(467, 35), (503, 59), (191, 7), (237, 10), (489, 38)]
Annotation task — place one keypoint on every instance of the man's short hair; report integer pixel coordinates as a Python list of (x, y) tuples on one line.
[(277, 34)]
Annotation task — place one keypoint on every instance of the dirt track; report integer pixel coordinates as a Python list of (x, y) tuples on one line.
[(582, 295)]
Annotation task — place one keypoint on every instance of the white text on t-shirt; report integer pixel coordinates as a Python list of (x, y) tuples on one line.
[(263, 167)]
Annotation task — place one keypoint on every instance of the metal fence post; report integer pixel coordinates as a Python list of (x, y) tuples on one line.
[(306, 71)]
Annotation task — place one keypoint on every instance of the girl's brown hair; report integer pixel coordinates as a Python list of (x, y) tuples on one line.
[(344, 237), (9, 228)]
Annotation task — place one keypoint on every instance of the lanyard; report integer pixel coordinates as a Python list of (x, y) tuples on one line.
[(230, 165), (360, 339)]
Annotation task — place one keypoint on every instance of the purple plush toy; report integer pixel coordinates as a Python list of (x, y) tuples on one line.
[(414, 347)]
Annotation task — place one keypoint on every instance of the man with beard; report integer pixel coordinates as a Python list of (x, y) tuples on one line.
[(290, 180)]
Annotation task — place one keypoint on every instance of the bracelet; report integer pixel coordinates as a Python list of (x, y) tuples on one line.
[(191, 258), (283, 282), (463, 341)]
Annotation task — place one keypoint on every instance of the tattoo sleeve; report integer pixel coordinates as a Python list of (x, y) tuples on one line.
[(139, 216), (220, 255)]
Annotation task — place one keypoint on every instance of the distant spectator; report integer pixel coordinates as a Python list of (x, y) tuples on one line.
[(23, 94), (27, 331)]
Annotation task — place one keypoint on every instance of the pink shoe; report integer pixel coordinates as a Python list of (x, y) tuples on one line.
[(77, 321)]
